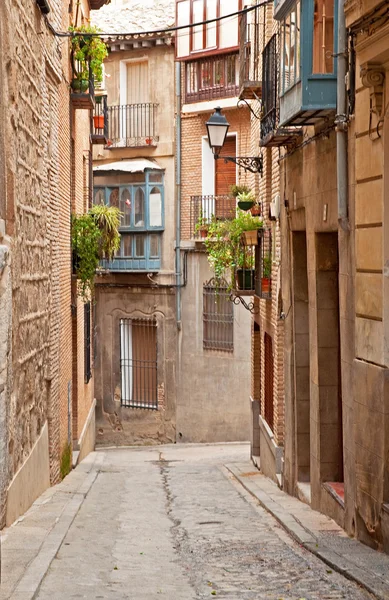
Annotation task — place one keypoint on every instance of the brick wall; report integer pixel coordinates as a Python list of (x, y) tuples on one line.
[(193, 130)]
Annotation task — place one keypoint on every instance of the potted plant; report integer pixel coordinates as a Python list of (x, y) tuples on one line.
[(266, 274), (95, 236), (235, 190), (88, 52), (98, 121), (202, 226), (226, 251), (256, 210), (246, 200)]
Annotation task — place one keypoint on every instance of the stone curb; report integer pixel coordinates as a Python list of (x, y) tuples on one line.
[(309, 541), (28, 586)]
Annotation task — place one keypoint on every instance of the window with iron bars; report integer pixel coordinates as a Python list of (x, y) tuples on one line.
[(138, 363), (218, 317)]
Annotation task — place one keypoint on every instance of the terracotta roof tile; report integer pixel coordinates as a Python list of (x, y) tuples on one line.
[(135, 16)]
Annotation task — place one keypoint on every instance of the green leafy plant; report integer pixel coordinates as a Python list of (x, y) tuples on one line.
[(107, 219), (266, 266), (235, 190), (95, 236), (88, 49), (224, 246)]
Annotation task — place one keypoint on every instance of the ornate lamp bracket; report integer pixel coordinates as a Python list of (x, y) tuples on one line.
[(254, 164), (373, 77), (250, 306)]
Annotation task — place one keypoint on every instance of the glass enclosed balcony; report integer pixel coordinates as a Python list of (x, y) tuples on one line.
[(308, 66)]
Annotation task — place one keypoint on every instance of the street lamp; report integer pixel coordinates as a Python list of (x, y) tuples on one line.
[(217, 128)]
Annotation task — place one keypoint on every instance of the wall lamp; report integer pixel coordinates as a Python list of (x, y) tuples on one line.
[(217, 128)]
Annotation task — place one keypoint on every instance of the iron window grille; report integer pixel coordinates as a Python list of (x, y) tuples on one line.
[(87, 343), (270, 87), (218, 317), (138, 363), (263, 265)]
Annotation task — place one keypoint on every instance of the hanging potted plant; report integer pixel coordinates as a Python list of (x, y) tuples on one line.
[(246, 200), (88, 52), (266, 275)]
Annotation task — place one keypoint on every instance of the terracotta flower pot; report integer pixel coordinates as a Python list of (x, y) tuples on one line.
[(265, 285), (98, 121)]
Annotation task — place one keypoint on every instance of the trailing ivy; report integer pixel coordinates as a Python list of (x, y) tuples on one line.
[(89, 49)]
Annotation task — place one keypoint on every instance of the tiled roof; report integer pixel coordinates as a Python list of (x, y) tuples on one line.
[(135, 16)]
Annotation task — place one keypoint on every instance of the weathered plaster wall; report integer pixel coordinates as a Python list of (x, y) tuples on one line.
[(121, 425), (213, 387)]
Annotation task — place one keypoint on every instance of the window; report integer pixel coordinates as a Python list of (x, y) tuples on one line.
[(141, 205), (218, 317), (211, 36), (212, 77), (138, 363), (290, 49), (87, 343), (323, 37)]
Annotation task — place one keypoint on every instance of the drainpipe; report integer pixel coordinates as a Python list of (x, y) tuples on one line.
[(341, 121), (178, 194)]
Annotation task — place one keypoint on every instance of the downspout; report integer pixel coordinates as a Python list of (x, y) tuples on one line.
[(342, 121), (178, 194)]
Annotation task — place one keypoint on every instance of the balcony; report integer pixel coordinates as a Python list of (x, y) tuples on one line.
[(100, 121), (211, 78), (250, 87), (82, 84), (204, 208), (132, 125), (271, 133), (308, 64)]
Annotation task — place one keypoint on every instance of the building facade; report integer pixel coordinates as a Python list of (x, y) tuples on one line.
[(134, 169), (323, 109), (214, 339), (44, 407)]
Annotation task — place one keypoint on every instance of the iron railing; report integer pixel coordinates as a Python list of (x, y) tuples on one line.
[(138, 363), (205, 208), (270, 87), (83, 81), (212, 77), (218, 317), (132, 125), (100, 118)]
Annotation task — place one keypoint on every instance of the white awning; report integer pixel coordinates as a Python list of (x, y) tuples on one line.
[(136, 165)]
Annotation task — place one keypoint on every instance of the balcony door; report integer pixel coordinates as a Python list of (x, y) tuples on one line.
[(138, 114), (225, 177)]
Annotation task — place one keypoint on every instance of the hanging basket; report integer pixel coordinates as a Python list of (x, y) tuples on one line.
[(245, 204)]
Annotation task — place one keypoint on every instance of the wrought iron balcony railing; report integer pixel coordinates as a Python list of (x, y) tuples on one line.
[(82, 84), (132, 125), (212, 77), (100, 121), (205, 208), (270, 80)]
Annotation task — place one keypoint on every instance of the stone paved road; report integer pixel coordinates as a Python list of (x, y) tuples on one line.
[(173, 524)]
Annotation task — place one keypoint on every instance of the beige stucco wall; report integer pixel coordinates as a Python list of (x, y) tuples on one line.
[(213, 387)]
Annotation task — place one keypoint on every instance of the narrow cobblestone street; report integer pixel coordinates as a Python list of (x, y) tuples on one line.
[(174, 523)]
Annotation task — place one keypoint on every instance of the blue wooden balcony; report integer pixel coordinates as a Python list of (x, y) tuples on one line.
[(308, 64)]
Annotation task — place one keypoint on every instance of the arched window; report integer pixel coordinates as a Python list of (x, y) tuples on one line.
[(99, 197), (139, 220), (155, 207), (125, 207)]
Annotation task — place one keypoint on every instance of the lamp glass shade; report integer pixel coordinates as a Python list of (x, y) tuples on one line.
[(217, 128)]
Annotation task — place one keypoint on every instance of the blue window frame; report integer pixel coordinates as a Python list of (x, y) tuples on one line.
[(308, 67), (142, 205)]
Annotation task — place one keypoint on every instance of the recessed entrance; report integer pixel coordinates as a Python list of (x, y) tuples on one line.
[(301, 355)]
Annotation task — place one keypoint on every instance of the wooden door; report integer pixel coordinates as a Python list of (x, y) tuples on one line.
[(225, 173)]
